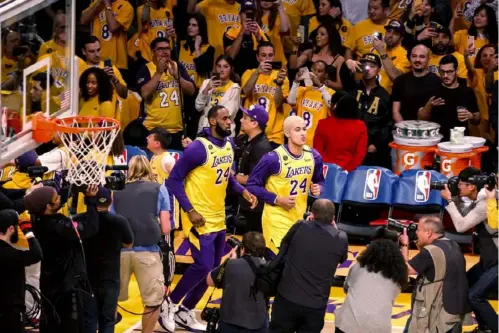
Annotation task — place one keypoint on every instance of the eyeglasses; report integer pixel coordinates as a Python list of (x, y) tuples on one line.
[(446, 72), (162, 49)]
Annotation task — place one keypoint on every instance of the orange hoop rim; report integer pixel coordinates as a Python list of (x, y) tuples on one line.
[(63, 124)]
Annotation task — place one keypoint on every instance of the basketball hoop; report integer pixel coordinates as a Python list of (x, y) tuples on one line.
[(88, 141)]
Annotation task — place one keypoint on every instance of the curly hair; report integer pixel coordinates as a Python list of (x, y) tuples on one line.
[(104, 85), (491, 29), (383, 256)]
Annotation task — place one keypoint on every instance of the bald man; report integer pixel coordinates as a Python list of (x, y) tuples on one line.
[(412, 90), (283, 179), (58, 42)]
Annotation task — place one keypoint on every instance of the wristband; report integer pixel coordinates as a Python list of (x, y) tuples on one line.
[(449, 201), (404, 245), (190, 211)]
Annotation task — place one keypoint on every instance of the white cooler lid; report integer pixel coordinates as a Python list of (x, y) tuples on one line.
[(475, 141), (415, 142), (453, 148)]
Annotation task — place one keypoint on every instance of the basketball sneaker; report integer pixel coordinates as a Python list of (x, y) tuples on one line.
[(186, 319), (167, 315)]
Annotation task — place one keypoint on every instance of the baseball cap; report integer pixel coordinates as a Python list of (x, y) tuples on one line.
[(395, 25), (26, 160), (257, 113), (371, 57), (248, 5), (8, 217), (445, 30), (104, 196)]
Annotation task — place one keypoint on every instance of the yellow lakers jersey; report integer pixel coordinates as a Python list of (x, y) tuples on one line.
[(294, 179), (263, 94), (6, 173), (205, 187), (398, 56), (462, 71), (186, 58), (163, 110), (220, 16), (311, 106), (295, 10), (361, 39), (113, 45), (275, 38), (51, 47), (159, 20), (218, 93)]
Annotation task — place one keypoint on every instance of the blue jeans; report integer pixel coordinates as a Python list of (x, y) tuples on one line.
[(101, 309), (481, 281)]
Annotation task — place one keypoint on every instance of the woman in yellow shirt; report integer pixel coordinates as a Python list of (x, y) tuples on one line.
[(330, 12), (274, 21), (96, 92), (196, 54), (483, 31)]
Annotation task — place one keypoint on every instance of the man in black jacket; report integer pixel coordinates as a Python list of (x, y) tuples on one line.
[(250, 149), (13, 262), (63, 276)]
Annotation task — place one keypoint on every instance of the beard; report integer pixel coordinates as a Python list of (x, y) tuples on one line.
[(440, 49), (223, 133), (14, 238), (418, 70)]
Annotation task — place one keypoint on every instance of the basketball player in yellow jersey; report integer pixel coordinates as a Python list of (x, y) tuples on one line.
[(158, 83), (283, 179), (311, 103), (220, 16), (361, 38), (268, 88), (206, 169), (110, 21)]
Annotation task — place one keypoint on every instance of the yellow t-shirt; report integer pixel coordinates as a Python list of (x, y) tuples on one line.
[(397, 8), (219, 16), (461, 43), (295, 10), (294, 179), (164, 108), (361, 38), (129, 108), (187, 59), (113, 45), (212, 175), (462, 72), (51, 47), (398, 55), (93, 108), (345, 29), (492, 213), (482, 99), (311, 106), (263, 94), (275, 38), (158, 22)]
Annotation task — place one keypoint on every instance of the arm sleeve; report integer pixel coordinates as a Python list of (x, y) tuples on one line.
[(267, 166), (163, 200), (143, 76), (33, 255), (422, 262), (125, 16), (293, 93), (202, 99), (318, 176), (473, 218), (234, 185), (318, 142), (492, 213), (193, 156), (204, 63), (87, 223), (360, 150)]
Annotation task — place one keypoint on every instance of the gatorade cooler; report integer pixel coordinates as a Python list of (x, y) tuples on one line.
[(454, 157), (409, 157), (414, 145), (479, 148)]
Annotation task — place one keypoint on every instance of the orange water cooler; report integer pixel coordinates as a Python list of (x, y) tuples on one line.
[(456, 157), (411, 157)]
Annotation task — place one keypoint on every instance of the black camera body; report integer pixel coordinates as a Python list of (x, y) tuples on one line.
[(398, 227), (116, 181), (36, 174), (452, 183), (211, 316), (481, 181), (235, 243)]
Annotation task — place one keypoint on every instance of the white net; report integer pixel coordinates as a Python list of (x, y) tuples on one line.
[(88, 149)]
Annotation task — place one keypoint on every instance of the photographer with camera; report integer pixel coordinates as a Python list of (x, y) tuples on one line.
[(13, 263), (483, 276), (442, 288), (314, 250), (63, 278), (241, 310)]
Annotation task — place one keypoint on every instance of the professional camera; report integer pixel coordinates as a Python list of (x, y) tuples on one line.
[(235, 243), (36, 174), (481, 180), (399, 227), (452, 183), (116, 181), (211, 316)]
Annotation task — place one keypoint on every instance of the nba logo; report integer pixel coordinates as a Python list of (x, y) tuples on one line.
[(422, 188), (324, 170), (371, 188)]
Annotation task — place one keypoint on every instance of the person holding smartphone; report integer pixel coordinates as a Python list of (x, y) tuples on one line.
[(221, 89), (241, 41)]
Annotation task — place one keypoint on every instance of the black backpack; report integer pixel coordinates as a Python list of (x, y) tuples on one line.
[(268, 275)]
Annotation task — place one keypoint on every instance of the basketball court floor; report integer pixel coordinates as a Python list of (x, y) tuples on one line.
[(400, 313)]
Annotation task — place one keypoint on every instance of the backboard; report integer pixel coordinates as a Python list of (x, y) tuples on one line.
[(37, 39)]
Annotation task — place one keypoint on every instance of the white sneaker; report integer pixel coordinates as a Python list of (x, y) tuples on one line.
[(167, 315), (186, 319)]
